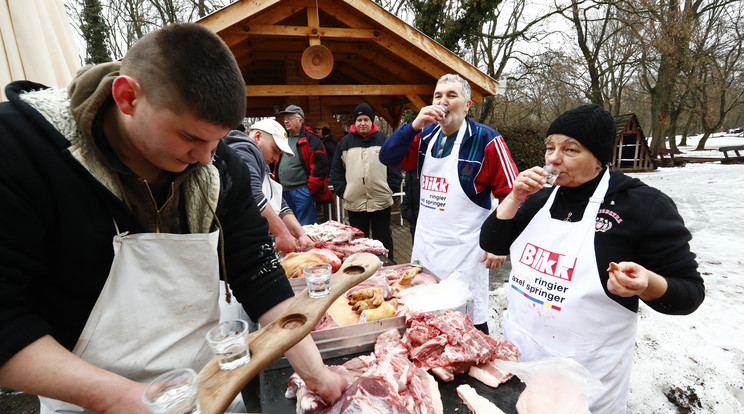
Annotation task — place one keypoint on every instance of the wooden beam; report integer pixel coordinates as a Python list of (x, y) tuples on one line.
[(416, 101), (303, 31), (235, 13), (416, 39), (337, 90)]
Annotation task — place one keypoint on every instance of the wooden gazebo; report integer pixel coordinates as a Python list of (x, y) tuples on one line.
[(631, 149), (376, 58)]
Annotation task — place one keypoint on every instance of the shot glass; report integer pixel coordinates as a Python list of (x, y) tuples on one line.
[(174, 392), (318, 279), (229, 340), (445, 107), (552, 175)]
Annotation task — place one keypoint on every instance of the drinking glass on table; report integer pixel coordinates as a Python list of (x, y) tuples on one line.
[(318, 279), (174, 392), (229, 340)]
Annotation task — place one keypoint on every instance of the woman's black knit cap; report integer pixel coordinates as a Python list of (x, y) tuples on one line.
[(591, 125)]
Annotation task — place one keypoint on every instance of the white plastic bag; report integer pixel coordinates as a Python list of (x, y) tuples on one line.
[(451, 293), (554, 386)]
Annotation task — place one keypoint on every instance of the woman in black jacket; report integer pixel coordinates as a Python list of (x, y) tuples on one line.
[(585, 251)]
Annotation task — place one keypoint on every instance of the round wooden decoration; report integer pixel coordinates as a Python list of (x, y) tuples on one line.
[(317, 61)]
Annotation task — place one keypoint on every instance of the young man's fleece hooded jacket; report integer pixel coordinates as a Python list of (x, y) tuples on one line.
[(60, 199)]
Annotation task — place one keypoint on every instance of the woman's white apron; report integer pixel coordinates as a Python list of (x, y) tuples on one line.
[(158, 302), (558, 307), (448, 228)]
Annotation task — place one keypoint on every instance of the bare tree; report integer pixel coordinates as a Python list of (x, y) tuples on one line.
[(720, 61)]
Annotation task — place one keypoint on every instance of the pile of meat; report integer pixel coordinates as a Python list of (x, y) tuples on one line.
[(448, 343), (334, 242), (343, 239), (385, 381), (394, 379)]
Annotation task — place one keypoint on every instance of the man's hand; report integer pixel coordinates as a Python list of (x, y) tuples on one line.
[(428, 115), (304, 242), (284, 243), (493, 261), (329, 385)]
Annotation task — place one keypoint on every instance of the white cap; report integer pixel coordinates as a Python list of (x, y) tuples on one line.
[(277, 131)]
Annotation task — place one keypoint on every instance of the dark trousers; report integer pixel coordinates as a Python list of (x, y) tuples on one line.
[(378, 222)]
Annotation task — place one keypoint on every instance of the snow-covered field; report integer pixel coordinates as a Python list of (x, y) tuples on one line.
[(699, 357)]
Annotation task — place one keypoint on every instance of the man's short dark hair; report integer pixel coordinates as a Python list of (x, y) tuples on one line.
[(187, 67)]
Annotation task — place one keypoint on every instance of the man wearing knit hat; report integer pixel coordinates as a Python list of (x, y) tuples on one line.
[(365, 184), (264, 143), (304, 177), (585, 252), (462, 165)]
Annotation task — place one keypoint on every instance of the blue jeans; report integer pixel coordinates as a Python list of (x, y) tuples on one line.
[(302, 204)]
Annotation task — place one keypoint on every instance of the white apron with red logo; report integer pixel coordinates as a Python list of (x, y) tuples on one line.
[(158, 303), (448, 228), (558, 307)]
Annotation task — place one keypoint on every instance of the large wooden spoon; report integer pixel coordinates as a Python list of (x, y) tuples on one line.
[(218, 388)]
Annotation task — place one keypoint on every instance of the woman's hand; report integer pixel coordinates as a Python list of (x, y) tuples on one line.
[(628, 279), (493, 261), (529, 182)]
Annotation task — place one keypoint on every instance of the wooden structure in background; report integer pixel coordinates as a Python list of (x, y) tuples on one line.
[(631, 149), (377, 58)]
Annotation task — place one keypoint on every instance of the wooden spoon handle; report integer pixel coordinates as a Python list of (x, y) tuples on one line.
[(218, 388)]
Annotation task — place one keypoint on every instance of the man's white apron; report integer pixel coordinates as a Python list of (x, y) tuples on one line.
[(158, 302), (448, 228), (272, 190), (558, 307)]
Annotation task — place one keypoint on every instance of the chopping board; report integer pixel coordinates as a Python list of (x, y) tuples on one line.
[(218, 388)]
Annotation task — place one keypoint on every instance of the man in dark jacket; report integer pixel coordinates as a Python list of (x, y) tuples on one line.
[(304, 177), (130, 153)]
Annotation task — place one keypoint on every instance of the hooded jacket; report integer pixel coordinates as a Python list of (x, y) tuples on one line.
[(61, 199), (635, 223), (358, 176)]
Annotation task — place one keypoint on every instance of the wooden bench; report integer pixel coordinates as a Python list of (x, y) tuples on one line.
[(666, 156), (731, 160)]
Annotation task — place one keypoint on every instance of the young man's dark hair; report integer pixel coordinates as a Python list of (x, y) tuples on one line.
[(181, 69)]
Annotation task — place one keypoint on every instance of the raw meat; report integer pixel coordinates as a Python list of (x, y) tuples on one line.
[(325, 322), (383, 382), (358, 245), (476, 403), (450, 340), (294, 262), (332, 231)]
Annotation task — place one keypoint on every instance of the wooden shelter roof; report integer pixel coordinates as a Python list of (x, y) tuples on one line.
[(377, 57)]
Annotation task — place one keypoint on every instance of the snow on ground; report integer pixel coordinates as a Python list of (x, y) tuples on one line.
[(697, 357)]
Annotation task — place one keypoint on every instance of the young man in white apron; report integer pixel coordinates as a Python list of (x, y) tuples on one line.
[(462, 164), (130, 153), (262, 146)]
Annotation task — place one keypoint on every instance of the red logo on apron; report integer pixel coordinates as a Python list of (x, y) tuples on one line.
[(547, 262), (436, 184)]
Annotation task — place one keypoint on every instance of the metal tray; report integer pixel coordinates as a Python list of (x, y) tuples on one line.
[(352, 339)]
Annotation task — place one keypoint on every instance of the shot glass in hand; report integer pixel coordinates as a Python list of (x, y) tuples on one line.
[(318, 279), (174, 392), (229, 340), (552, 175)]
